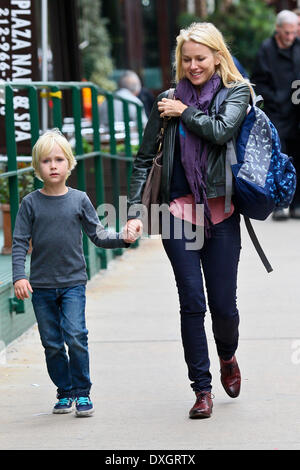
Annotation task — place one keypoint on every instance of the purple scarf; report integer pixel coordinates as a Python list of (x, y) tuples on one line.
[(193, 148)]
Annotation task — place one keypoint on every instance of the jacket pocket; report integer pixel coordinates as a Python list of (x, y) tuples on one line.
[(216, 168)]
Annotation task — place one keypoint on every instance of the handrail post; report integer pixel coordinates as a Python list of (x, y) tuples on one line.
[(99, 177), (34, 123), (139, 123), (11, 153), (128, 151), (114, 163), (57, 114), (76, 103)]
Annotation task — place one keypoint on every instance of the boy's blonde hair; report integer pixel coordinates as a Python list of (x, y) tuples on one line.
[(45, 144), (208, 35)]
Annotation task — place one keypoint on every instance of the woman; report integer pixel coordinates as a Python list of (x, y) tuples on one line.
[(194, 172)]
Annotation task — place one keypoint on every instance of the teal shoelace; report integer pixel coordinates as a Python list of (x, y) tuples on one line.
[(63, 401), (83, 401)]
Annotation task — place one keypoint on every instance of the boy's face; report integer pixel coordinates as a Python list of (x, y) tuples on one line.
[(54, 166)]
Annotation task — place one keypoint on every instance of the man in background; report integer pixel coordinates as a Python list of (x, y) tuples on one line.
[(129, 87), (277, 66)]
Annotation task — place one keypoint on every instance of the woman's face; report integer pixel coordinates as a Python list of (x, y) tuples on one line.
[(198, 62)]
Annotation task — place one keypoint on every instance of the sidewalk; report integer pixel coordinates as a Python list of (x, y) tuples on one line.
[(140, 388)]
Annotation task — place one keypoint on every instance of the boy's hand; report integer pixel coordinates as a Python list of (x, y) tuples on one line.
[(21, 289), (132, 230)]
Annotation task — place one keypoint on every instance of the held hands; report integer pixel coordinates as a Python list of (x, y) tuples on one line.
[(22, 286), (132, 230), (170, 108)]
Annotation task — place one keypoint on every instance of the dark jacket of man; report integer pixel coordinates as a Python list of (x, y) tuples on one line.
[(274, 71)]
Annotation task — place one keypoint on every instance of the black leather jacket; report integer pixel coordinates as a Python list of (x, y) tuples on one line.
[(215, 129)]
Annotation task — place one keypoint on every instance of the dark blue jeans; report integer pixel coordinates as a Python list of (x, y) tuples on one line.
[(60, 315), (218, 260)]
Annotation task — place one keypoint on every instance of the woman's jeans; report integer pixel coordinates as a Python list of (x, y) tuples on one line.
[(60, 315), (219, 259)]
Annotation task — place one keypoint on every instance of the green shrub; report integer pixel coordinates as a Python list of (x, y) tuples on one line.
[(96, 56), (245, 24)]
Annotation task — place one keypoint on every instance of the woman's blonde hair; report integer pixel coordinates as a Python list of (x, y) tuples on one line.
[(208, 35), (45, 144)]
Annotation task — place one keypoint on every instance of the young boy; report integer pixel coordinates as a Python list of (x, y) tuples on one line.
[(52, 217)]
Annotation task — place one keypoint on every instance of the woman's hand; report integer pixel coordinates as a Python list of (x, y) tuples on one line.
[(132, 230), (22, 286), (170, 108)]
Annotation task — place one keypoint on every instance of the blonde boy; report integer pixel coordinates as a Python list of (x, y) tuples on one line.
[(52, 218)]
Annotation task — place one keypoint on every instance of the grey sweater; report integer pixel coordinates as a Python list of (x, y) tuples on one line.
[(54, 224)]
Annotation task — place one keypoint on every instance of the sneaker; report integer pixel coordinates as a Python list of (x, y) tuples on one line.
[(84, 406), (64, 405)]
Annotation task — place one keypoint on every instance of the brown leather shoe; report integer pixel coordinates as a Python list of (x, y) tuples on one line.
[(203, 405), (230, 377)]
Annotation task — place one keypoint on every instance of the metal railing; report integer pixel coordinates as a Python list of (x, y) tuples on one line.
[(54, 90)]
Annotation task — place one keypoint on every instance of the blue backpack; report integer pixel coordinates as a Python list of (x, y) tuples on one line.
[(258, 174)]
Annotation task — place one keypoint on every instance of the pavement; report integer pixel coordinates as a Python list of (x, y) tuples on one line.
[(140, 387)]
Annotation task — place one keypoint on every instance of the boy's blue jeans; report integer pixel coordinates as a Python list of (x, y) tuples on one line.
[(60, 315), (216, 263)]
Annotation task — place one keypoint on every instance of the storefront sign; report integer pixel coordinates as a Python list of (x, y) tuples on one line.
[(18, 62)]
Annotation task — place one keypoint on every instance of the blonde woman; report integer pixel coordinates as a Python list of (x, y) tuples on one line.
[(194, 174), (53, 218)]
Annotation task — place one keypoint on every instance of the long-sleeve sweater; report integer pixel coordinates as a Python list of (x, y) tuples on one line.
[(54, 224)]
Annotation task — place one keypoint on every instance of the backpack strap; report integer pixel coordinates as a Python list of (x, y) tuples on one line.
[(220, 97), (230, 153), (258, 101), (231, 160), (257, 245), (171, 93)]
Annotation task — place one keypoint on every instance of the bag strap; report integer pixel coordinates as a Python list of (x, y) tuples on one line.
[(220, 97), (170, 96), (257, 245), (171, 93), (231, 159), (230, 153)]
